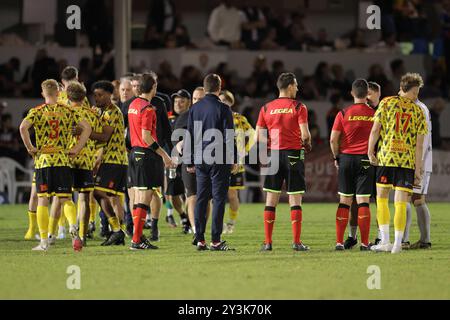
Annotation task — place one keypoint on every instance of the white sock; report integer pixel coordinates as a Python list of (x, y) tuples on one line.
[(61, 230), (149, 216), (398, 238), (169, 212), (379, 234), (384, 230)]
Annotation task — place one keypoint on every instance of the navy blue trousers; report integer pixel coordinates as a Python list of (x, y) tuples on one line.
[(213, 182)]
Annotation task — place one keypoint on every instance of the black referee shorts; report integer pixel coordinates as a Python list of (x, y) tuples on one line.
[(54, 181), (356, 176), (291, 170), (401, 179), (145, 170)]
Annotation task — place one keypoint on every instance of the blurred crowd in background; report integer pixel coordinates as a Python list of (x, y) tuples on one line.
[(252, 28)]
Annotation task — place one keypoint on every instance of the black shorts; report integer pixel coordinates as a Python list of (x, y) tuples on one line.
[(83, 180), (146, 169), (401, 179), (111, 178), (237, 181), (291, 170), (54, 181), (356, 176), (175, 187), (189, 181)]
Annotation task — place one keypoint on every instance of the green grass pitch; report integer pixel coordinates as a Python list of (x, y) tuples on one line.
[(177, 271)]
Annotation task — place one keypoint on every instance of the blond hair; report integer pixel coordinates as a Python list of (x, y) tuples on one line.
[(50, 87), (411, 80), (229, 97), (76, 92)]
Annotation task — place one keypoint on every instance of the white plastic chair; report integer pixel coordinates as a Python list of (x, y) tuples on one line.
[(4, 180), (8, 168)]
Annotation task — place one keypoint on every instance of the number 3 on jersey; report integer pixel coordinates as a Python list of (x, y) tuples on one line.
[(54, 127), (399, 117)]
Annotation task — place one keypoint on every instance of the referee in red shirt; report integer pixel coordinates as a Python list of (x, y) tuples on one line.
[(286, 122), (147, 158), (349, 143)]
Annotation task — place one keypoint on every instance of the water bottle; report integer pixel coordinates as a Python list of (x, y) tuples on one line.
[(172, 173)]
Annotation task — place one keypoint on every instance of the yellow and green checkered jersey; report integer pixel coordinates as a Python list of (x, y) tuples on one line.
[(63, 99), (245, 136), (115, 151), (53, 129), (86, 158), (401, 122)]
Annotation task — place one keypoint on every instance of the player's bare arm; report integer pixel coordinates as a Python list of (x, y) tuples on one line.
[(373, 139), (25, 126), (103, 136), (306, 136), (86, 131), (334, 145), (419, 160), (98, 161), (259, 135), (148, 139)]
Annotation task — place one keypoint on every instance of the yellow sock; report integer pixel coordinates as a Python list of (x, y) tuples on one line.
[(400, 216), (114, 222), (70, 211), (32, 220), (233, 214), (52, 225), (55, 227), (93, 208), (62, 221), (32, 225), (383, 213), (82, 230), (42, 221)]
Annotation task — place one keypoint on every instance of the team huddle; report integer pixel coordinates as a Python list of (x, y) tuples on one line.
[(102, 157), (123, 161)]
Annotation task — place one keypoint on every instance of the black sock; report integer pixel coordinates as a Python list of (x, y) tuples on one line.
[(154, 223), (184, 218)]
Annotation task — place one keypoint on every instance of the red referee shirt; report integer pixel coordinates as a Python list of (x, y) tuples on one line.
[(355, 123), (282, 118), (141, 116)]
